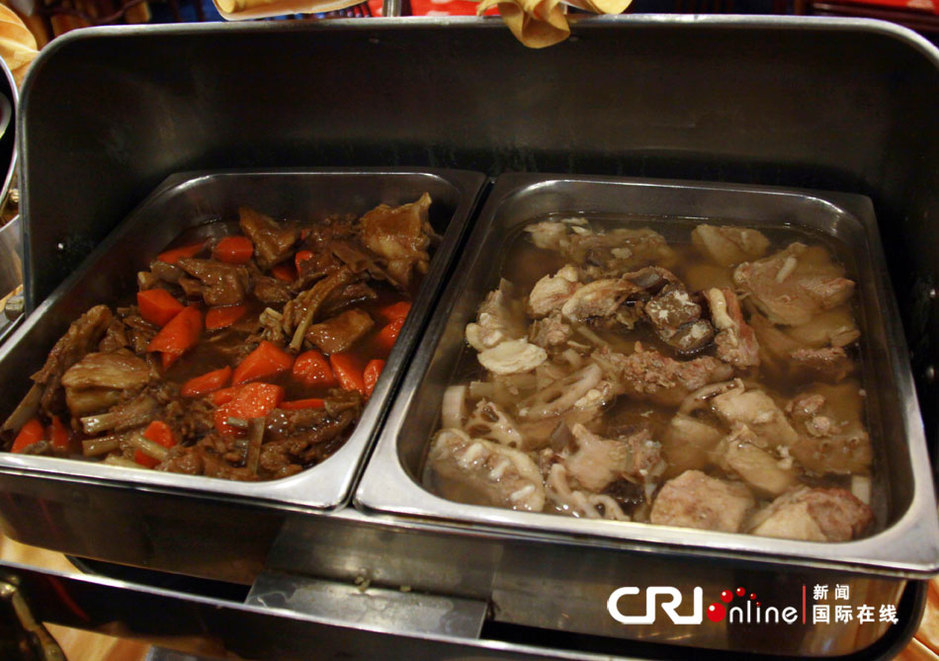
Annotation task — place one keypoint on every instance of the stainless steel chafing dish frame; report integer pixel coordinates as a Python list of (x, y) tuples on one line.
[(908, 541), (190, 199), (765, 100)]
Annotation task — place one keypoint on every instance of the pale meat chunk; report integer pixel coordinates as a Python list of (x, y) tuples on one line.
[(740, 454), (340, 332), (687, 444), (647, 374), (728, 245), (552, 291), (273, 242), (100, 380), (401, 235), (836, 328), (550, 332), (597, 462), (813, 515), (795, 284), (830, 423), (616, 252), (757, 411), (500, 318), (484, 473), (784, 357), (695, 500), (600, 298), (736, 342)]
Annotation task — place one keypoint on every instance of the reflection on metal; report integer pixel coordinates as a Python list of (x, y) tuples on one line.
[(33, 639), (361, 604)]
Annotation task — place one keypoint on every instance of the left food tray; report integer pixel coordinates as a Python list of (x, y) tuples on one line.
[(190, 200)]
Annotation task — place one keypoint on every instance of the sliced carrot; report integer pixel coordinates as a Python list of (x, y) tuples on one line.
[(312, 368), (284, 272), (224, 317), (58, 434), (160, 433), (266, 361), (253, 400), (173, 255), (234, 250), (371, 374), (300, 257), (206, 383), (178, 336), (158, 306), (145, 459), (30, 433), (395, 311), (312, 403), (225, 395), (388, 335), (347, 370)]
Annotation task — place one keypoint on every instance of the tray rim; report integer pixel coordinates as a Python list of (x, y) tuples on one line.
[(396, 495)]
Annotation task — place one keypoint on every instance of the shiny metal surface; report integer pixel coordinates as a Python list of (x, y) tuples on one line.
[(907, 542), (190, 199), (11, 265)]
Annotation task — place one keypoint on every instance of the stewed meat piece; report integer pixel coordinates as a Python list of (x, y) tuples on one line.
[(648, 374), (832, 436), (222, 284), (813, 515), (273, 241), (728, 245), (795, 284), (340, 332), (597, 462), (695, 500), (551, 292), (100, 380), (401, 235)]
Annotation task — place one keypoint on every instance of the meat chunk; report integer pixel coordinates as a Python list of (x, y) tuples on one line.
[(757, 411), (836, 328), (736, 341), (813, 515), (550, 332), (616, 252), (512, 357), (355, 293), (222, 284), (795, 284), (832, 436), (271, 291), (81, 338), (677, 320), (341, 332), (100, 380), (273, 242), (784, 357), (598, 462), (498, 320), (687, 444), (552, 291), (485, 473), (695, 500), (740, 454), (647, 374), (600, 298), (401, 235), (728, 245)]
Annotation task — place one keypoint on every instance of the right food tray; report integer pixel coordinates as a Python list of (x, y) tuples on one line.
[(728, 419)]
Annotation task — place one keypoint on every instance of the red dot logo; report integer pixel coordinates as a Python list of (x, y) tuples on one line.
[(753, 596), (716, 612), (741, 592), (727, 596)]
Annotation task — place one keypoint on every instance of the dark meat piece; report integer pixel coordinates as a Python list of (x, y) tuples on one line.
[(340, 333), (140, 332), (677, 321), (303, 438), (273, 242), (115, 337), (401, 235), (192, 288), (300, 312), (271, 291), (164, 271), (82, 337), (222, 284), (207, 457), (354, 293), (100, 380)]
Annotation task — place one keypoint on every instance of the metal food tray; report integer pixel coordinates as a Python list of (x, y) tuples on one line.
[(190, 199), (907, 541)]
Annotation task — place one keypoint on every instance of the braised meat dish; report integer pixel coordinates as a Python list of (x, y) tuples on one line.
[(248, 356), (711, 381)]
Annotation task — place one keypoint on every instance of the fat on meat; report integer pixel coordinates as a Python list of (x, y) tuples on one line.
[(596, 462), (401, 235), (551, 292), (758, 411), (650, 375), (728, 245), (740, 454), (696, 500)]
